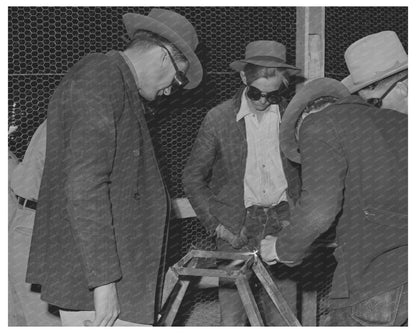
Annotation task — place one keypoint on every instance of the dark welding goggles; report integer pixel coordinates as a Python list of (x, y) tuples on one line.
[(273, 97), (377, 102), (179, 80)]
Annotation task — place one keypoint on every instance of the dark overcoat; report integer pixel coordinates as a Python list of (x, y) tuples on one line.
[(102, 203), (213, 178), (354, 173)]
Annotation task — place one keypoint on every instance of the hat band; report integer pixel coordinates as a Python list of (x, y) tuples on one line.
[(264, 58)]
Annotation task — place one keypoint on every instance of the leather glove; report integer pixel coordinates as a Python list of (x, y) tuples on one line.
[(237, 242)]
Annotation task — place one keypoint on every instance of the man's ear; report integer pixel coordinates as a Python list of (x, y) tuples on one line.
[(243, 77), (163, 56), (402, 87)]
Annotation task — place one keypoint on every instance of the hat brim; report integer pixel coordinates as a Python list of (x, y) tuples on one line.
[(134, 22), (311, 91), (352, 87), (239, 65)]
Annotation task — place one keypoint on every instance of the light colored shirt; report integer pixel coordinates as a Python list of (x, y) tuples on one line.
[(264, 180), (133, 71), (26, 177)]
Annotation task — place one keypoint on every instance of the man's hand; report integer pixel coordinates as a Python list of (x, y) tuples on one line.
[(237, 242), (268, 250), (106, 306)]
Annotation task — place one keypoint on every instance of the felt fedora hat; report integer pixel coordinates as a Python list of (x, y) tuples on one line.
[(314, 89), (374, 58), (266, 53), (176, 29)]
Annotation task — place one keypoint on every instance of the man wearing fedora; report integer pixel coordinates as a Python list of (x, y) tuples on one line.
[(99, 230), (354, 175), (235, 178)]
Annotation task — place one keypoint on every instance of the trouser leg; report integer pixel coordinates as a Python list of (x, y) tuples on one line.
[(29, 309), (78, 318)]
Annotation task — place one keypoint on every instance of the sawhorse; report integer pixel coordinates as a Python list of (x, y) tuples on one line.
[(179, 275)]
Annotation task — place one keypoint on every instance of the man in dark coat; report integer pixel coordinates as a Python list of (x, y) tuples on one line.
[(235, 178), (102, 207), (354, 174)]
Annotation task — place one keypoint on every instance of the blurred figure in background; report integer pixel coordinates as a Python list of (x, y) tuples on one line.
[(27, 308)]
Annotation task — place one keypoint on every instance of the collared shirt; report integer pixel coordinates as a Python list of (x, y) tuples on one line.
[(264, 180), (133, 71), (26, 177)]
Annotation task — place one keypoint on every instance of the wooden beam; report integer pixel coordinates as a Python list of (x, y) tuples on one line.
[(310, 42), (182, 209)]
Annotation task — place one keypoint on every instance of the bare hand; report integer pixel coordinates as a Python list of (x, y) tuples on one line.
[(268, 250), (106, 306)]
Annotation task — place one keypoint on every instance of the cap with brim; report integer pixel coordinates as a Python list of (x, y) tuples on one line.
[(176, 29), (373, 58), (311, 91), (354, 87)]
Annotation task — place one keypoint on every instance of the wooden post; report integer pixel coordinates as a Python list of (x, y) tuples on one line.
[(310, 42), (310, 58)]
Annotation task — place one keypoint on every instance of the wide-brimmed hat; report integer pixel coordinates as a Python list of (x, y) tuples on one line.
[(266, 53), (176, 29), (374, 58), (311, 91)]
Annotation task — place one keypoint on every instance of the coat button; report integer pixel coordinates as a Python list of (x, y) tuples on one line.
[(136, 196), (136, 152)]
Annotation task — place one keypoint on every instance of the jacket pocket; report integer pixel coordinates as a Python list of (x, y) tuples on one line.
[(378, 310), (385, 217)]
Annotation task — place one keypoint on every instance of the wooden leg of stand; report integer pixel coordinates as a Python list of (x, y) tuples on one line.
[(249, 302), (171, 278), (174, 303), (275, 294)]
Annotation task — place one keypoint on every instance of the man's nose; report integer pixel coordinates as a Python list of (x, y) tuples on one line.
[(263, 100)]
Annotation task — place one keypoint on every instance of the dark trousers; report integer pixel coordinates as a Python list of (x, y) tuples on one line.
[(259, 223), (386, 309)]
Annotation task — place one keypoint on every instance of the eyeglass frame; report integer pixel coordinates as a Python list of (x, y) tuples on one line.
[(378, 102), (179, 80), (266, 95)]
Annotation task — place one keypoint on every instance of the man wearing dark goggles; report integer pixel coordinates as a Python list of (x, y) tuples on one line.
[(272, 97), (236, 180), (179, 80)]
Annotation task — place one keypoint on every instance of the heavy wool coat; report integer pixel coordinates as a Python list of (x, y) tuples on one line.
[(354, 173), (213, 178), (102, 203)]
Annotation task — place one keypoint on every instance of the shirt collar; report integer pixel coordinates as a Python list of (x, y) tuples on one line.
[(133, 71), (245, 108)]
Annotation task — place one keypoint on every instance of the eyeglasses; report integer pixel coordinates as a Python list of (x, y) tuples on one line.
[(377, 102), (273, 97), (179, 80)]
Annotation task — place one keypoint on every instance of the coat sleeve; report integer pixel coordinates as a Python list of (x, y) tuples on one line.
[(198, 170), (91, 151), (324, 167)]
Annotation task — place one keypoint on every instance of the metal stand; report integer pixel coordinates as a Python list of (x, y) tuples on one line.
[(178, 280)]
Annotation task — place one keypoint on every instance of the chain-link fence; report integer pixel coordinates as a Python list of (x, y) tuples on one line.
[(44, 42)]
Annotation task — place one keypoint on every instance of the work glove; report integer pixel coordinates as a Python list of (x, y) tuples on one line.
[(279, 219), (236, 241)]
